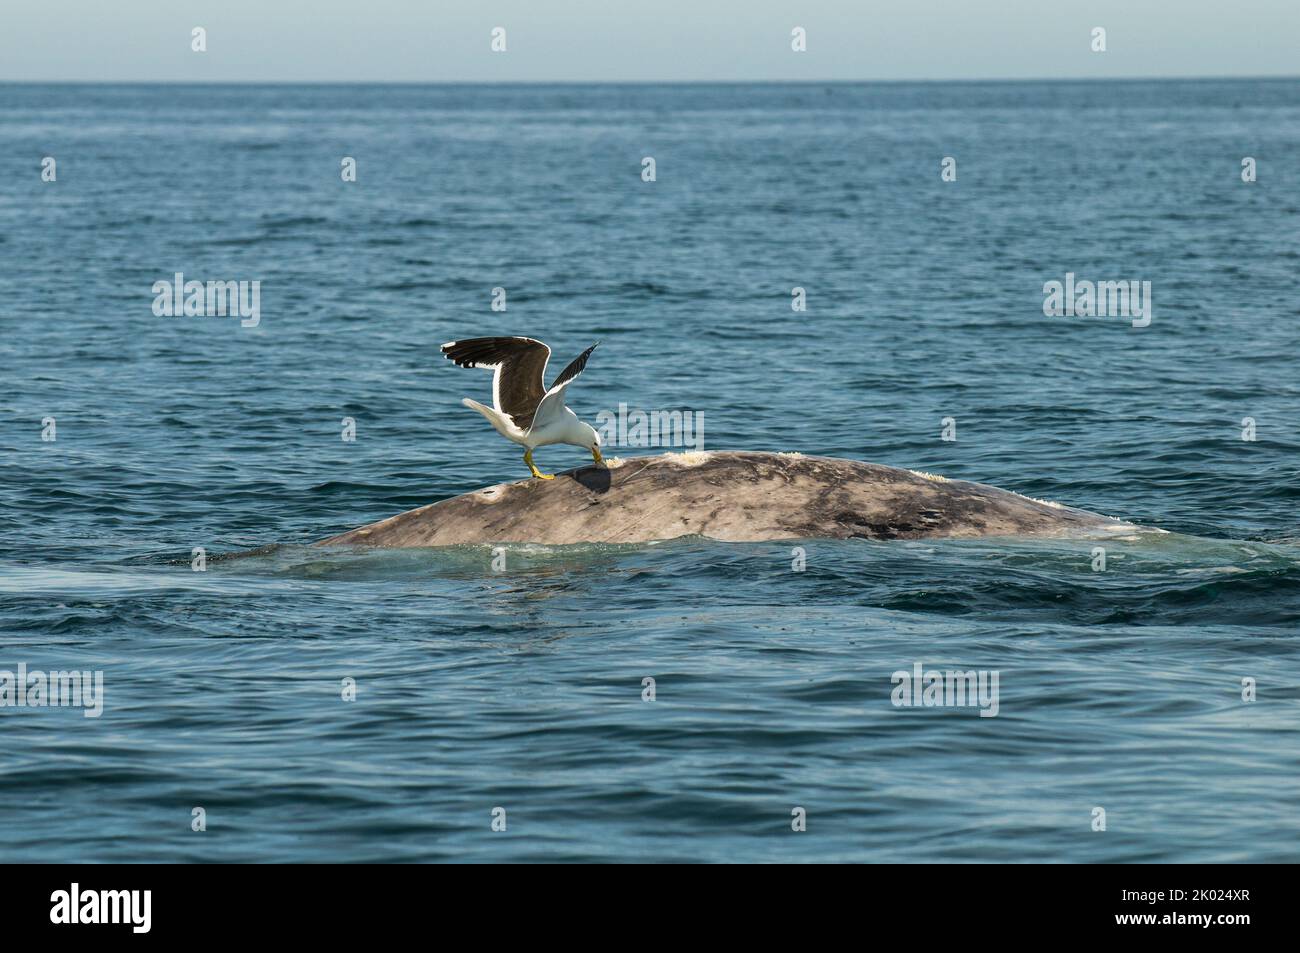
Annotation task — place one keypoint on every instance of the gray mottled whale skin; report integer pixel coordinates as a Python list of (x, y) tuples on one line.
[(729, 496)]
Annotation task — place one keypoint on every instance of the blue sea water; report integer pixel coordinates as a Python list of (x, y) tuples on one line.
[(522, 689)]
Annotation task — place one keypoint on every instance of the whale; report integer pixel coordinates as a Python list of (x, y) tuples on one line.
[(730, 496)]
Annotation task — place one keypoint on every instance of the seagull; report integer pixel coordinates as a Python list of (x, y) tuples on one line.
[(523, 409)]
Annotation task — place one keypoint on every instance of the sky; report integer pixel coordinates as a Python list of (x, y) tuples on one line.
[(645, 41)]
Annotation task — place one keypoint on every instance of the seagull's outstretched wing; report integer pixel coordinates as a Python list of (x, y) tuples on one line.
[(551, 404), (519, 378)]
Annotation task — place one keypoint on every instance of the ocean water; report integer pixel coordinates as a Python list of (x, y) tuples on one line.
[(475, 689)]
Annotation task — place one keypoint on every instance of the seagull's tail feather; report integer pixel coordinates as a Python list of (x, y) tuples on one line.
[(504, 425)]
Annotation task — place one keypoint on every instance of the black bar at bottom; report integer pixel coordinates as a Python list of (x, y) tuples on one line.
[(327, 902)]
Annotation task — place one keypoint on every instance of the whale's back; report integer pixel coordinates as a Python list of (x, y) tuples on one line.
[(726, 495)]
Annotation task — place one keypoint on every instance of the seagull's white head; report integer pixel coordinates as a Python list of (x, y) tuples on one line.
[(585, 435)]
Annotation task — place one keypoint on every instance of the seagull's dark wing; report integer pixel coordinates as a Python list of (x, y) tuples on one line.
[(554, 400), (574, 369), (518, 384)]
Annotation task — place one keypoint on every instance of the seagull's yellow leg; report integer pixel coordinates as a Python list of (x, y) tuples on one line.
[(528, 459)]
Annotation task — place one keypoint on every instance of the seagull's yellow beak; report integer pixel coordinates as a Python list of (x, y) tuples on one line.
[(595, 455)]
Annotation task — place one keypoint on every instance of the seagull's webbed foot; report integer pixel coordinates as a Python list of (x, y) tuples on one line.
[(528, 459)]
